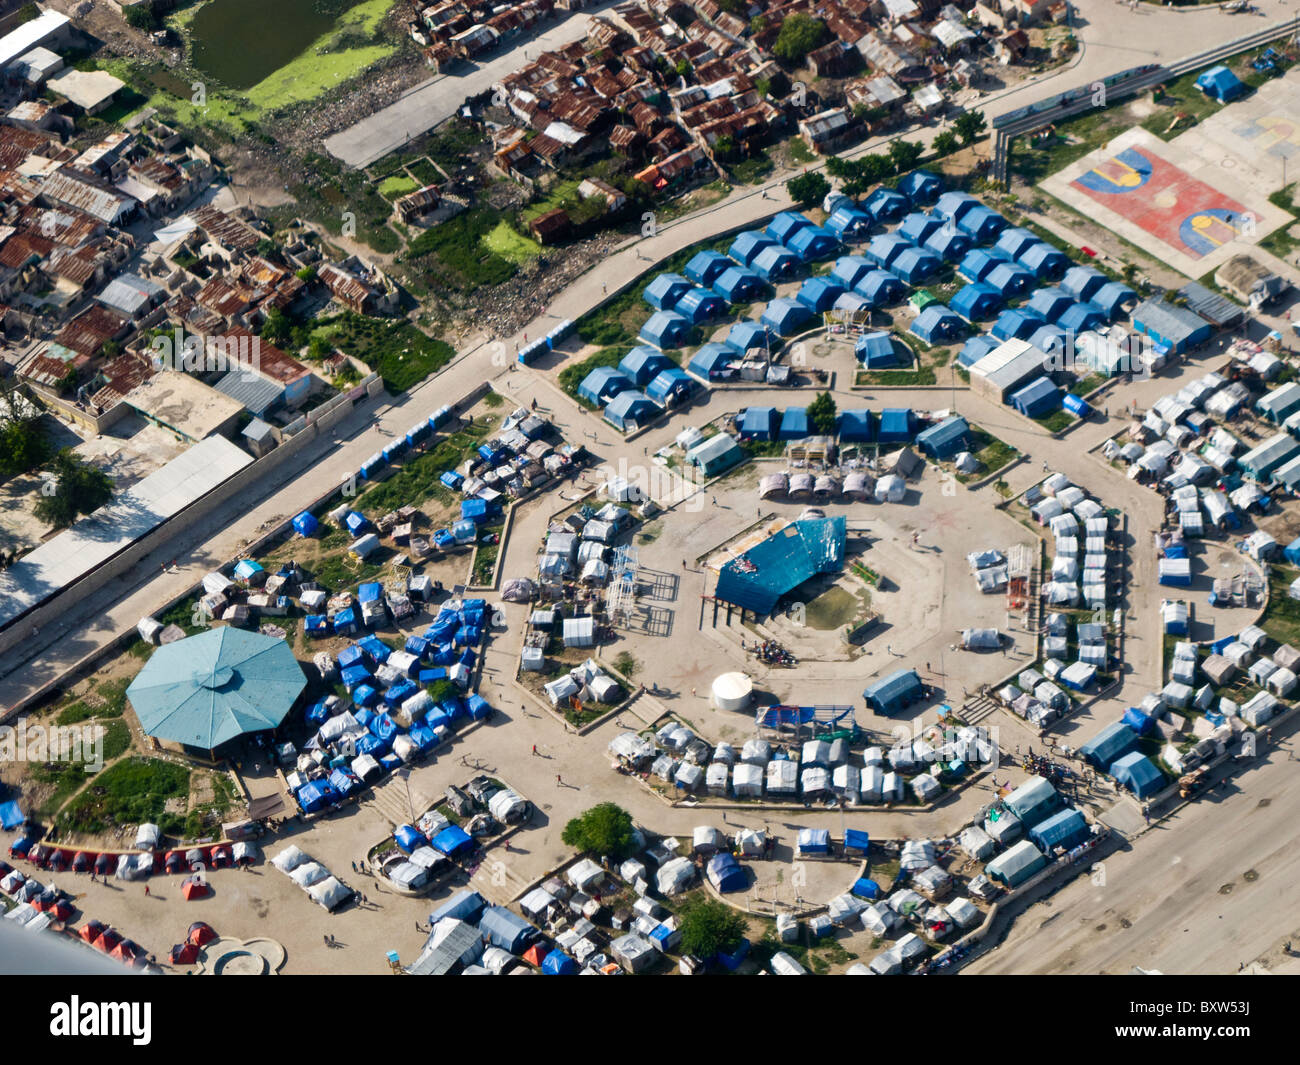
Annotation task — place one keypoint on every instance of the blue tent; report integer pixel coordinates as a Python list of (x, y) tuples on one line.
[(850, 269), (314, 796), (758, 423), (557, 963), (664, 329), (794, 424), (1011, 242), (857, 841), (785, 225), (726, 874), (945, 439), (1111, 299), (670, 386), (937, 325), (705, 267), (1018, 324), (876, 351), (1037, 398), (886, 205), (920, 186), (11, 815), (1050, 302), (305, 523), (848, 222), (738, 283), (1076, 406), (1065, 828), (880, 288), (1048, 338), (453, 841), (819, 293), (665, 290), (465, 905), (982, 223), (978, 263), (887, 247), (976, 301), (785, 316), (949, 244), (506, 930), (955, 204), (897, 426), (976, 348), (856, 426), (1138, 773), (1112, 742), (641, 364), (1081, 317), (776, 263), (895, 692), (865, 888), (603, 383), (813, 244), (1138, 721), (1221, 84), (709, 363), (1009, 279), (317, 625), (1044, 260), (813, 841), (699, 305), (1082, 282), (747, 335), (748, 244), (1292, 552), (408, 838), (628, 410), (344, 623), (918, 225), (915, 265)]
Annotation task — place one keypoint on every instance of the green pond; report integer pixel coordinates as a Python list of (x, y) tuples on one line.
[(240, 42)]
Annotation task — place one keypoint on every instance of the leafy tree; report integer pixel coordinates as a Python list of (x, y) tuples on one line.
[(709, 926), (945, 142), (758, 24), (799, 35), (23, 447), (605, 830), (683, 67), (808, 189), (140, 16), (307, 273), (78, 489), (267, 248), (905, 154), (821, 413), (970, 126), (440, 691), (725, 147), (277, 328)]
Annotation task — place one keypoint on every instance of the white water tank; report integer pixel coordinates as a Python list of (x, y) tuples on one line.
[(733, 691)]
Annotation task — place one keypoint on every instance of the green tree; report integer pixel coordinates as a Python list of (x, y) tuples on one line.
[(140, 16), (709, 926), (758, 24), (799, 35), (605, 830), (307, 273), (683, 67), (277, 328), (808, 189), (78, 489), (970, 126), (821, 413), (442, 690), (23, 447), (904, 155), (945, 142)]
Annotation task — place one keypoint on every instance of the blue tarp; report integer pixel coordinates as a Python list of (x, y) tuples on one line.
[(814, 841), (897, 426), (305, 523), (771, 568), (785, 225), (314, 796), (726, 874), (11, 816), (603, 383), (356, 523), (976, 301), (794, 424), (813, 243), (747, 245), (864, 888), (557, 963), (664, 291), (886, 205), (737, 284), (1112, 742), (1292, 552), (850, 269), (1139, 774), (711, 360), (1037, 398), (856, 426), (876, 351), (1136, 720), (855, 839), (408, 837), (452, 841), (976, 348), (1221, 84), (880, 288), (465, 905), (1066, 828)]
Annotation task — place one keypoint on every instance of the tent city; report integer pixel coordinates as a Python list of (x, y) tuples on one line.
[(661, 487)]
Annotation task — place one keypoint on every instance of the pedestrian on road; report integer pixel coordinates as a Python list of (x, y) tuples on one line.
[(692, 691), (558, 781), (1044, 465), (683, 563), (326, 938), (354, 867), (507, 842), (534, 748), (146, 890)]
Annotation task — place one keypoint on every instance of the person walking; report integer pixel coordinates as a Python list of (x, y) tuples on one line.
[(146, 891), (558, 782), (534, 748)]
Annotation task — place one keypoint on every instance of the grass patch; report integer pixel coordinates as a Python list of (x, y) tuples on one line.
[(455, 251), (1056, 421), (510, 244), (394, 348), (397, 185), (1282, 618), (752, 170), (1280, 242), (925, 375), (127, 793), (627, 664), (763, 449), (417, 479), (572, 376), (992, 454)]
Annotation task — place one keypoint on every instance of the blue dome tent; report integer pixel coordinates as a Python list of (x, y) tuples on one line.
[(737, 284), (747, 245), (876, 351), (665, 329), (850, 269), (819, 293), (603, 383), (786, 316), (641, 364), (706, 267), (950, 245), (664, 291), (886, 205), (1082, 282), (937, 325), (629, 410), (920, 186), (813, 244), (785, 225), (976, 301)]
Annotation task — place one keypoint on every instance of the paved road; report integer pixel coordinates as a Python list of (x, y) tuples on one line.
[(434, 101), (1215, 886)]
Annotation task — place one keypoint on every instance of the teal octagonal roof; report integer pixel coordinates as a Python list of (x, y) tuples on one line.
[(216, 686)]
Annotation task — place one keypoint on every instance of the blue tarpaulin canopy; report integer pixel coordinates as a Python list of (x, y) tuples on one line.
[(855, 839), (814, 841), (768, 570), (506, 930), (864, 888), (1221, 84), (557, 963), (305, 523), (453, 841), (11, 816)]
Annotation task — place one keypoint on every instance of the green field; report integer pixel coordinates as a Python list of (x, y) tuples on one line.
[(510, 244), (397, 185)]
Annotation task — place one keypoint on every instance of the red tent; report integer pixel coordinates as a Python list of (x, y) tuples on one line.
[(175, 861), (107, 940), (91, 931), (201, 934), (535, 954), (194, 888), (81, 862), (125, 951), (184, 954), (105, 864), (62, 910)]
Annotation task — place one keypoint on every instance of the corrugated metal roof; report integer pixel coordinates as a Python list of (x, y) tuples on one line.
[(1210, 305), (93, 540), (256, 393)]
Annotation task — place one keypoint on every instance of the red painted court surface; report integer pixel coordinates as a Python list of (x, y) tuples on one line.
[(1166, 201)]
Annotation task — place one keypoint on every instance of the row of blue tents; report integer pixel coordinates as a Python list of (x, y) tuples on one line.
[(898, 425)]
